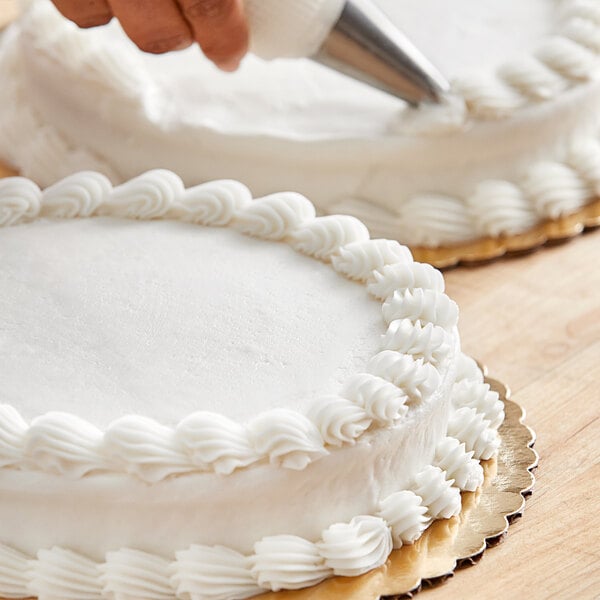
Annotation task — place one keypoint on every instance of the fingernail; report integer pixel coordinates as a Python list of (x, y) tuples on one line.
[(229, 65)]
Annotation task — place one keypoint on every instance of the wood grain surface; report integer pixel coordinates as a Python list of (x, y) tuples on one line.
[(535, 322)]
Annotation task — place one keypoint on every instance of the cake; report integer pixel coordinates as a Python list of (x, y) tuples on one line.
[(516, 144), (206, 395)]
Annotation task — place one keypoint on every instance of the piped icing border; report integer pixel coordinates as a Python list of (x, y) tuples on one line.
[(281, 561), (416, 350), (548, 190), (568, 58)]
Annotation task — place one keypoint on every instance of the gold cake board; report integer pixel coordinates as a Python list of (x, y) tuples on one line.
[(487, 249), (448, 544)]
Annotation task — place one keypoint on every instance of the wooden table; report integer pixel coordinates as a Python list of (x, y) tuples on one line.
[(535, 322)]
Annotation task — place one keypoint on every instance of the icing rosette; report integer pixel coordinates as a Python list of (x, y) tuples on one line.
[(383, 401), (437, 493), (214, 203), (532, 78), (216, 442), (147, 196), (358, 260), (59, 574), (568, 58), (324, 236), (584, 157), (14, 573), (288, 562), (471, 427), (416, 378), (353, 548), (426, 218), (403, 276), (77, 195), (427, 306), (555, 189), (65, 444), (144, 448), (406, 516), (213, 573), (500, 207), (480, 397), (288, 438), (19, 200), (339, 421), (429, 342), (130, 573), (274, 217), (451, 456), (467, 369)]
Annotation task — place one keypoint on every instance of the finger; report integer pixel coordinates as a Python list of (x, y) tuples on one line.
[(221, 29), (155, 26), (90, 13)]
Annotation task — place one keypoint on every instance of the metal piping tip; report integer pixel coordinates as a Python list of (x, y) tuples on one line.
[(367, 46)]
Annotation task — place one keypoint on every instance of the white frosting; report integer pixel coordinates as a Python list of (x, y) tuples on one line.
[(471, 427), (406, 515), (436, 492), (213, 573), (340, 421), (59, 574), (14, 576), (382, 400), (458, 464), (184, 470), (288, 562), (63, 443), (356, 547), (481, 398), (133, 574)]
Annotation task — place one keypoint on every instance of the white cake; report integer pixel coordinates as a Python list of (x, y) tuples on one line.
[(517, 143), (193, 413)]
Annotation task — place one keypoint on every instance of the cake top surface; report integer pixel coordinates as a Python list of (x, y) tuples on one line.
[(162, 347), (106, 317)]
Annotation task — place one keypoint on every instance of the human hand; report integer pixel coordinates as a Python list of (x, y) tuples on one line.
[(158, 26)]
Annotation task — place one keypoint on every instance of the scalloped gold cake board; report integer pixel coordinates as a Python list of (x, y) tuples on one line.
[(453, 543), (449, 544), (487, 249)]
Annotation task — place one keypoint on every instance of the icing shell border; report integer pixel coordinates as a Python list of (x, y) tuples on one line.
[(445, 546), (487, 249)]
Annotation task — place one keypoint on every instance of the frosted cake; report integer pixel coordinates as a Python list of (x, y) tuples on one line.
[(210, 396), (516, 144)]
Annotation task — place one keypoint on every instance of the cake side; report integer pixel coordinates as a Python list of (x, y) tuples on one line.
[(279, 561), (390, 421)]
